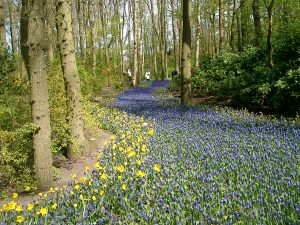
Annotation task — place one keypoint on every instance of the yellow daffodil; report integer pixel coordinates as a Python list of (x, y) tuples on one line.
[(119, 177), (103, 176), (157, 167), (151, 132), (51, 190), (27, 188), (87, 168), (141, 173), (11, 206), (94, 198), (43, 211), (15, 195), (131, 153), (30, 206), (83, 179), (75, 205), (139, 162), (124, 187), (144, 148), (54, 206), (19, 208), (19, 219), (101, 192), (74, 176)]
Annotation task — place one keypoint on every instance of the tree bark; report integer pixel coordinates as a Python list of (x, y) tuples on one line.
[(198, 27), (176, 58), (186, 53), (221, 25), (269, 36), (232, 29), (76, 145), (50, 27), (135, 40), (37, 65), (81, 30), (12, 20), (3, 44), (154, 38), (257, 23)]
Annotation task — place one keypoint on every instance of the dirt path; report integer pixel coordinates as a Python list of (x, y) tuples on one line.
[(70, 167)]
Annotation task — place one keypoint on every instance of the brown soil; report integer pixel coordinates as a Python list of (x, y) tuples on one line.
[(69, 167)]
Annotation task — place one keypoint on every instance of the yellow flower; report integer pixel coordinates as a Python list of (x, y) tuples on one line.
[(99, 156), (98, 165), (119, 177), (139, 162), (11, 206), (94, 198), (114, 146), (19, 208), (43, 211), (124, 187), (81, 197), (54, 206), (72, 193), (30, 206), (140, 173), (75, 205), (15, 195), (87, 168), (121, 169), (83, 179), (157, 167), (139, 139), (103, 176), (27, 188), (20, 219), (51, 190), (101, 192), (105, 143), (123, 136), (144, 148), (131, 153), (74, 176), (151, 132)]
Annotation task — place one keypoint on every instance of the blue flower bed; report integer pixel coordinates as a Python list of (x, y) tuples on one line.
[(181, 165)]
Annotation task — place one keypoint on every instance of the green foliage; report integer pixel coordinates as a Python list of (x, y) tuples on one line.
[(7, 62), (247, 80), (16, 155), (58, 108)]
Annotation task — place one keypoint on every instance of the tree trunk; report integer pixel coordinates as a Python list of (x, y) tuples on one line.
[(3, 44), (135, 40), (244, 23), (269, 36), (186, 53), (37, 65), (174, 37), (238, 25), (50, 26), (24, 40), (12, 21), (257, 24), (154, 43), (198, 27), (232, 29), (81, 30), (76, 145), (221, 25), (92, 27)]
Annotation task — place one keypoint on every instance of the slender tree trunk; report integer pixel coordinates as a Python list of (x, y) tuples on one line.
[(37, 66), (244, 23), (3, 44), (91, 17), (232, 29), (257, 23), (238, 24), (269, 36), (81, 30), (135, 37), (50, 26), (76, 145), (154, 43), (198, 27), (13, 33), (176, 59), (186, 53), (24, 40), (221, 25), (121, 21)]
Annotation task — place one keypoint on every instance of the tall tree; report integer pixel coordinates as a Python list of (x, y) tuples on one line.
[(176, 58), (135, 40), (269, 36), (76, 145), (221, 25), (35, 56), (12, 21), (186, 72), (257, 23), (3, 44)]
